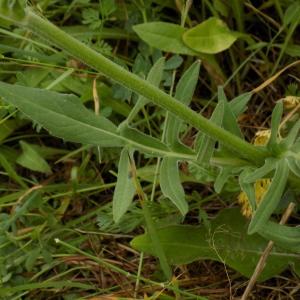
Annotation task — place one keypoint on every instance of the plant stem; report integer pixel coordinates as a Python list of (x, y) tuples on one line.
[(51, 33)]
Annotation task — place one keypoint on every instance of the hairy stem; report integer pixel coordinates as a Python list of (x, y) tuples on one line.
[(51, 33)]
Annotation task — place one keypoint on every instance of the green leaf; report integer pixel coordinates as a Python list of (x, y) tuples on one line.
[(8, 167), (164, 36), (271, 199), (125, 188), (12, 10), (184, 92), (205, 145), (290, 139), (139, 140), (186, 86), (146, 143), (65, 116), (291, 14), (202, 174), (62, 115), (226, 241), (230, 120), (222, 178), (211, 36), (270, 165), (238, 104), (284, 236), (294, 165), (171, 185), (154, 77), (32, 258), (9, 126), (248, 188), (32, 160)]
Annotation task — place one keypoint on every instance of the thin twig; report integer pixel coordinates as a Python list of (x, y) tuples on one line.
[(96, 97), (262, 261)]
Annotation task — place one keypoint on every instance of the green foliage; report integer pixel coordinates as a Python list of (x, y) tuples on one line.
[(12, 9), (163, 132), (164, 36), (211, 36), (171, 185), (32, 160), (125, 188), (272, 197), (225, 241)]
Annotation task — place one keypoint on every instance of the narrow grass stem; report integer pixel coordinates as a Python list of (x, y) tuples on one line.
[(51, 33)]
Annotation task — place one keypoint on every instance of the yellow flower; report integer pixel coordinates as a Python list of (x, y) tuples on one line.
[(261, 185), (262, 137), (291, 101)]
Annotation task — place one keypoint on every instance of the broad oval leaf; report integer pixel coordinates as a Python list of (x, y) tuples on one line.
[(226, 241), (211, 36), (125, 188), (164, 36), (171, 185), (271, 198)]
